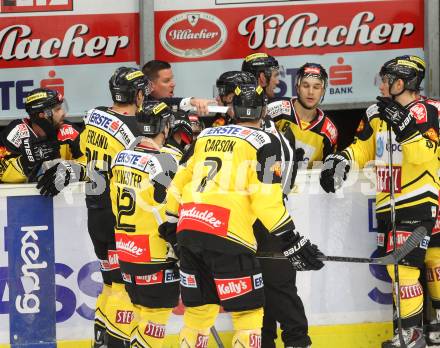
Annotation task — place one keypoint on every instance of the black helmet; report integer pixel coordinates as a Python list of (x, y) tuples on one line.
[(153, 117), (312, 70), (227, 81), (421, 65), (125, 84), (42, 100), (260, 62), (181, 124), (410, 69), (248, 102)]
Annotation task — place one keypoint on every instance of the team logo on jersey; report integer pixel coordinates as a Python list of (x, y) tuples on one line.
[(419, 112), (193, 34), (233, 287)]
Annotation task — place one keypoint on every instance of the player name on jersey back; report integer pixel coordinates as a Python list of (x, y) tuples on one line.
[(110, 124), (255, 137)]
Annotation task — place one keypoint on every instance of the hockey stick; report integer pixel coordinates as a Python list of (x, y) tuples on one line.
[(217, 338), (393, 232), (393, 258)]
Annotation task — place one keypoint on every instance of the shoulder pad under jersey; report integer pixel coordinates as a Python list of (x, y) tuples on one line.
[(372, 111), (256, 137), (279, 108)]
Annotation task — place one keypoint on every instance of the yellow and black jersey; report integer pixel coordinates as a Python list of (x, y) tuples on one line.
[(139, 179), (173, 150), (289, 165), (414, 164), (228, 178), (317, 138), (105, 134), (11, 138)]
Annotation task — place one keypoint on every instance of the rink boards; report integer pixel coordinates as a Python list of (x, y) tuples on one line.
[(49, 278)]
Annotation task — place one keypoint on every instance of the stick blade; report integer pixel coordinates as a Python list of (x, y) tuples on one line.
[(410, 244)]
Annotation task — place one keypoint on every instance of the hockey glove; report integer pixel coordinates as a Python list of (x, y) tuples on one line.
[(167, 231), (59, 176), (302, 254), (400, 119), (34, 153), (299, 154), (334, 172)]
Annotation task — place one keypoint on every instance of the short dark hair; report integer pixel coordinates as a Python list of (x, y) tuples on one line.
[(151, 69)]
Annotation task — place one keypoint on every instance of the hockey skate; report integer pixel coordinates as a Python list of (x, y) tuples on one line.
[(413, 338), (433, 333)]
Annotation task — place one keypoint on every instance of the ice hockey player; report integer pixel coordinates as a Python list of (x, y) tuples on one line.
[(224, 93), (314, 132), (26, 143), (140, 177), (280, 290), (266, 70), (180, 135), (229, 177), (432, 258), (109, 130), (414, 125)]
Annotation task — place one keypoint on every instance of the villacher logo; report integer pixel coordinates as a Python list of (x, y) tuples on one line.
[(193, 34)]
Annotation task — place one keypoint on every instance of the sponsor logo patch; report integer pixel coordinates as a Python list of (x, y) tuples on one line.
[(383, 179), (401, 237), (133, 248), (206, 218), (419, 112), (155, 330), (233, 287), (124, 317), (188, 280), (149, 279)]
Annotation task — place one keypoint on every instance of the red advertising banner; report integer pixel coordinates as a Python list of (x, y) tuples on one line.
[(233, 33), (19, 6), (68, 40)]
